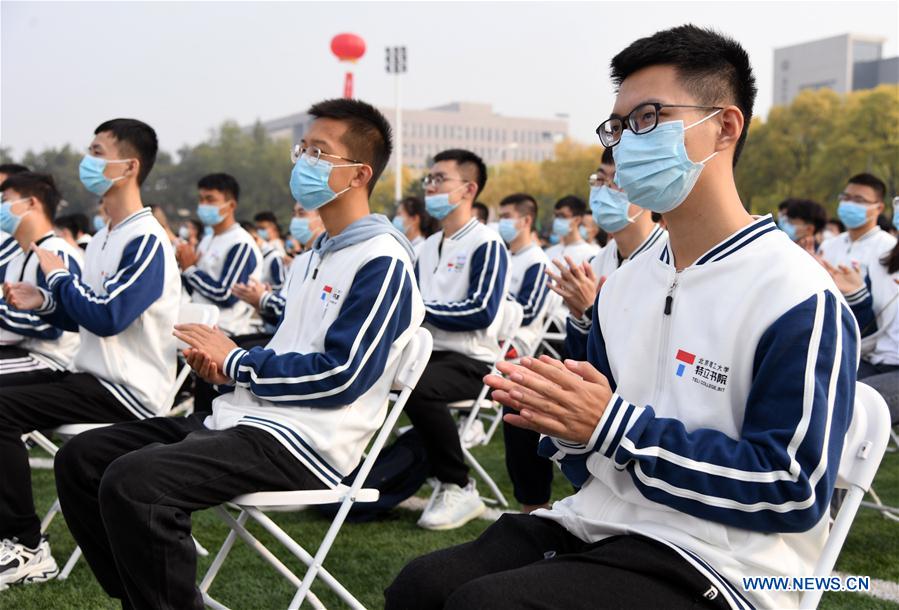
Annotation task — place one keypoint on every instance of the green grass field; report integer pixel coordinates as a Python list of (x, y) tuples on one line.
[(366, 557)]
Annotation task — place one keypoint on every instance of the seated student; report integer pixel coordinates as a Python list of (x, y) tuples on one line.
[(414, 221), (227, 256), (879, 365), (303, 408), (567, 215), (163, 220), (738, 341), (190, 232), (803, 223), (269, 230), (632, 232), (862, 247), (528, 284), (305, 227), (590, 230), (462, 274), (31, 349), (8, 245), (833, 228), (271, 247), (123, 306)]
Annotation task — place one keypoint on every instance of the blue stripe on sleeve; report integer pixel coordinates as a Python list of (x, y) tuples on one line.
[(137, 284), (239, 264), (533, 292), (486, 282), (376, 312)]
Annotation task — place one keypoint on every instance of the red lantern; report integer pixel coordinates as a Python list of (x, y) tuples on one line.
[(348, 48)]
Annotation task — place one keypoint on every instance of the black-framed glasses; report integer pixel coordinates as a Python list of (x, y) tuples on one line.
[(313, 154), (437, 180), (856, 199), (641, 120)]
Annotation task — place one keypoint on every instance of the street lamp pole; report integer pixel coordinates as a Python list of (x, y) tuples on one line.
[(396, 65)]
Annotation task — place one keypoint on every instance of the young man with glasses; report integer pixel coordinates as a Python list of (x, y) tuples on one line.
[(301, 410), (462, 273), (859, 251), (705, 429)]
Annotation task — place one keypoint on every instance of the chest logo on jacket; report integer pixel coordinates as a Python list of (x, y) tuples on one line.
[(705, 372), (457, 264)]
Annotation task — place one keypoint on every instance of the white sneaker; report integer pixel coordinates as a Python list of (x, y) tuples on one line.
[(19, 564), (452, 507), (476, 435)]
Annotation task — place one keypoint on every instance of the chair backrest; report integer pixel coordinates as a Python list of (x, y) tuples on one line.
[(413, 360), (196, 313), (863, 448)]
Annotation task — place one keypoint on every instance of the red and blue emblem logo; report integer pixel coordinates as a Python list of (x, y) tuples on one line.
[(683, 359)]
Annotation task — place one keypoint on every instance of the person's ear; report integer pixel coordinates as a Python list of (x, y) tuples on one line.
[(132, 169), (362, 177), (730, 128)]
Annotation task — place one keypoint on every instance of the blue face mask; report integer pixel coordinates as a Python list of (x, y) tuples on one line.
[(852, 214), (299, 229), (561, 227), (507, 229), (896, 219), (553, 239), (9, 222), (263, 234), (583, 231), (309, 183), (209, 214), (184, 233), (207, 231), (787, 227), (609, 208), (399, 225), (439, 205), (654, 169), (91, 173), (99, 223)]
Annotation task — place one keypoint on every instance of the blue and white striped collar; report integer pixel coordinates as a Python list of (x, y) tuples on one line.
[(648, 243), (128, 219), (731, 244), (465, 230)]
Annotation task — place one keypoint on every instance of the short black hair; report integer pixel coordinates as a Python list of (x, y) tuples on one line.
[(415, 206), (40, 186), (838, 222), (368, 135), (524, 204), (139, 140), (247, 226), (11, 169), (607, 157), (268, 216), (808, 211), (466, 158), (226, 183), (577, 205), (714, 68), (198, 226), (77, 224), (481, 211), (872, 181), (783, 205)]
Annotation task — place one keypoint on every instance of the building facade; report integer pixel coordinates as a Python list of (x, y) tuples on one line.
[(476, 127), (843, 63)]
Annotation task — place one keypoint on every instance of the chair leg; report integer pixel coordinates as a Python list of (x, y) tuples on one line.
[(887, 511), (48, 518), (486, 478), (70, 564), (219, 559)]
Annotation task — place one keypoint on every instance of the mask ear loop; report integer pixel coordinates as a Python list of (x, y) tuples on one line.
[(700, 121)]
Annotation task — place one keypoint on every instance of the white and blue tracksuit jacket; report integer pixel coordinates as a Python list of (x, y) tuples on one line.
[(604, 265), (49, 347), (463, 280), (529, 285), (124, 306), (226, 259), (733, 382), (320, 386), (273, 268)]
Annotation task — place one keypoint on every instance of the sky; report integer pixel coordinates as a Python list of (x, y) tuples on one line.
[(185, 67)]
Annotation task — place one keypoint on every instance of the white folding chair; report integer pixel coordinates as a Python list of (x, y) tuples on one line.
[(187, 313), (554, 325), (863, 449), (412, 363), (510, 322)]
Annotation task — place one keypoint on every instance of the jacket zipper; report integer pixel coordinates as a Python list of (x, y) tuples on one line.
[(666, 338)]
